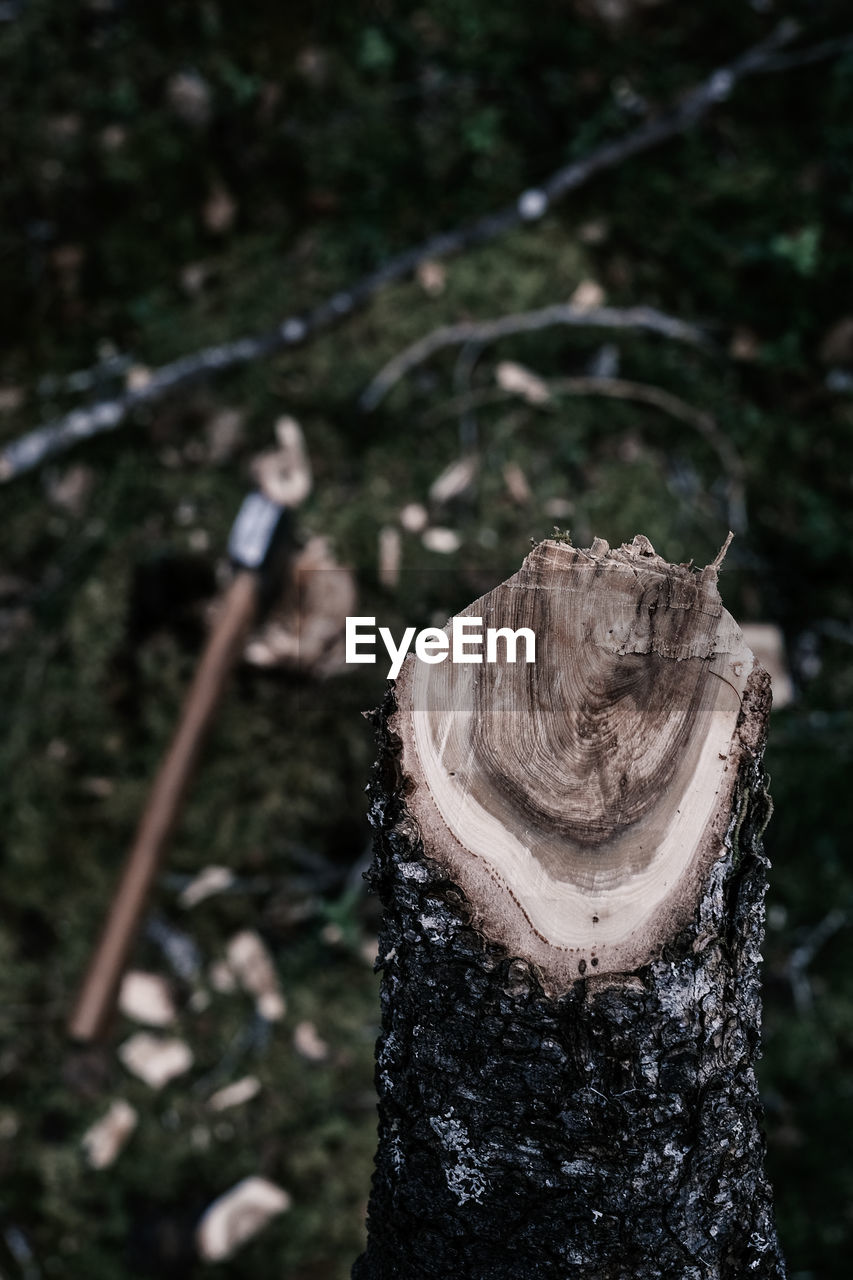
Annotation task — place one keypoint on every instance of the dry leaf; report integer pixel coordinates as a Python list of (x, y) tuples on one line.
[(155, 1060), (237, 1216), (252, 965), (145, 997), (103, 1141)]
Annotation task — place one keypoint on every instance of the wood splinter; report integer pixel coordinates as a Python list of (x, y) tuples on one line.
[(569, 857)]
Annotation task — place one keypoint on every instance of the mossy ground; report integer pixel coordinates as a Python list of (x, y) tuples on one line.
[(342, 138)]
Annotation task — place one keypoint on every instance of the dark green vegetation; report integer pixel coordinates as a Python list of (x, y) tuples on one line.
[(339, 139)]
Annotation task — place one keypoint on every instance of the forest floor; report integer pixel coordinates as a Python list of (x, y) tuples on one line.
[(174, 176)]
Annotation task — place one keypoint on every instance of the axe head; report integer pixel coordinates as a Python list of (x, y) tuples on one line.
[(259, 541)]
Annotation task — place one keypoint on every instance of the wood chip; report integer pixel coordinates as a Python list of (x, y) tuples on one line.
[(219, 211), (209, 881), (745, 344), (516, 484), (284, 474), (11, 399), (837, 344), (521, 381), (104, 1140), (70, 491), (190, 98), (155, 1060), (137, 377), (224, 434), (390, 555), (414, 517), (252, 965), (306, 630), (432, 277), (221, 977), (308, 1044), (454, 480), (588, 295), (234, 1095), (444, 541), (238, 1216), (767, 643), (145, 997)]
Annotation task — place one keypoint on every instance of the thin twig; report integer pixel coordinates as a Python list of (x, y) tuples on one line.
[(642, 393), (802, 956), (486, 331), (54, 437)]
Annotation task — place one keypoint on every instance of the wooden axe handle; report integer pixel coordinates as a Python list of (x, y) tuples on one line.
[(96, 999)]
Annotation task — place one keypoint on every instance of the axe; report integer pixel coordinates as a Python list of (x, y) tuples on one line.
[(255, 547)]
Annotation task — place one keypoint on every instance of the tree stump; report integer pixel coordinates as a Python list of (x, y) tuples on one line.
[(569, 857)]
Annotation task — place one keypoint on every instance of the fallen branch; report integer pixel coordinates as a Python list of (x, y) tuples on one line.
[(30, 450), (645, 319)]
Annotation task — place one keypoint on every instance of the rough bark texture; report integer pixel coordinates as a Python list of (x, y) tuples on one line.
[(611, 1134)]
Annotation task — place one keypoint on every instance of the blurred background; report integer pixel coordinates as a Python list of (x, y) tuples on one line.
[(176, 176)]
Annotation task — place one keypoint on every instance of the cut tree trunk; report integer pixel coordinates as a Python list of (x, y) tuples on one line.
[(569, 856)]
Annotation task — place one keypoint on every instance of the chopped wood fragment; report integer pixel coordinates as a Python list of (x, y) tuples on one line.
[(444, 541), (237, 1216), (454, 480), (588, 295), (308, 1043), (252, 964), (767, 643), (306, 631), (209, 881), (390, 556), (414, 517), (521, 381), (516, 483), (145, 997), (104, 1140), (432, 277), (221, 977), (234, 1095), (155, 1060), (284, 474)]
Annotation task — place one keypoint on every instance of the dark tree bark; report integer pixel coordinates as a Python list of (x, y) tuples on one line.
[(541, 1125)]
